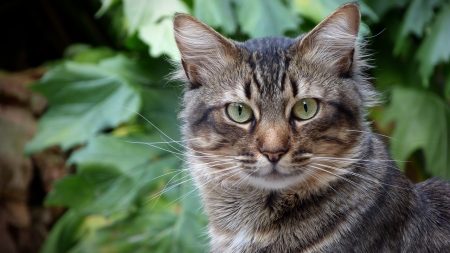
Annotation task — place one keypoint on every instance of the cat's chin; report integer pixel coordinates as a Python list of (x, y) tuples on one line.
[(276, 181)]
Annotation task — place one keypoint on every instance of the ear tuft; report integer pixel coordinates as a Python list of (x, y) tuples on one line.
[(204, 52), (333, 42)]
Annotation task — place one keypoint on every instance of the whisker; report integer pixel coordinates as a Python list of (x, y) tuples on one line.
[(321, 180), (359, 175), (213, 163), (162, 132), (243, 178), (362, 165), (360, 131), (343, 178), (166, 189), (355, 159), (153, 125), (176, 153), (230, 172)]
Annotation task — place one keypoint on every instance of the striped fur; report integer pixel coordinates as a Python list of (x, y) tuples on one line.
[(335, 188)]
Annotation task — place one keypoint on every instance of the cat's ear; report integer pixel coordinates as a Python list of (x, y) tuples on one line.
[(204, 52), (333, 42)]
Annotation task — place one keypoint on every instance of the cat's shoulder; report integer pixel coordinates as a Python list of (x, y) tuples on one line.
[(435, 193), (435, 186)]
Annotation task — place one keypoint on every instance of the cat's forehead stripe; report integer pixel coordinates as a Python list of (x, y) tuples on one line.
[(294, 86), (269, 62), (256, 81), (248, 89)]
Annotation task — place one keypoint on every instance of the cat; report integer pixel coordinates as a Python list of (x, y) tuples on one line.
[(281, 152)]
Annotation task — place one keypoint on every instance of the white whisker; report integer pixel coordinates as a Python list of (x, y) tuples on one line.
[(343, 178), (354, 159), (359, 175), (360, 131)]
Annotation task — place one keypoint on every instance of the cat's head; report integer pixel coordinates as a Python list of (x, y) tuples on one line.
[(273, 112)]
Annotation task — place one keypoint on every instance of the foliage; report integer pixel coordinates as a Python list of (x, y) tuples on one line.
[(107, 106), (428, 129), (94, 97)]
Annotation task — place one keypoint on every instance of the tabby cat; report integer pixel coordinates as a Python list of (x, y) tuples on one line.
[(279, 147)]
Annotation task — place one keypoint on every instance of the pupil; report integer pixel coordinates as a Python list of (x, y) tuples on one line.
[(240, 109), (305, 106)]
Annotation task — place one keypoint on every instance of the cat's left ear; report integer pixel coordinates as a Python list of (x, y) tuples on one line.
[(333, 42)]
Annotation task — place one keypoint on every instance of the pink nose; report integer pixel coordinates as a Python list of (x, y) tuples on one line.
[(273, 156)]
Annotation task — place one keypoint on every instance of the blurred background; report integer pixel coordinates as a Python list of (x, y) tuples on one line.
[(90, 157)]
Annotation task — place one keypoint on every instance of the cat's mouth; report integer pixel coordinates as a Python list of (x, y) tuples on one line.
[(276, 173), (276, 178)]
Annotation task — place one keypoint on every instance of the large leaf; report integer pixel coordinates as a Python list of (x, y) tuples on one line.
[(419, 13), (435, 48), (217, 13), (111, 176), (112, 151), (152, 20), (84, 99), (260, 18), (422, 122)]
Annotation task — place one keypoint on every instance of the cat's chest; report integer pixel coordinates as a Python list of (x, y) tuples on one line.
[(241, 241), (246, 241), (273, 224)]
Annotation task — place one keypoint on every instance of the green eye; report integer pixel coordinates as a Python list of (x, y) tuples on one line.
[(240, 113), (305, 108)]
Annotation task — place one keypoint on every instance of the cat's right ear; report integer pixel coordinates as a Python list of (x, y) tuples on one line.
[(204, 52)]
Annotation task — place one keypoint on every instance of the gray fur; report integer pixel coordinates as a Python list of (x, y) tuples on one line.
[(337, 189)]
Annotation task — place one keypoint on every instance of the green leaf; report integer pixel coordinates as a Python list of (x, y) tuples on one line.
[(320, 9), (71, 191), (106, 4), (435, 47), (64, 234), (139, 220), (95, 189), (418, 15), (112, 151), (84, 99), (316, 11), (382, 7), (165, 225), (112, 172), (422, 121), (82, 53), (160, 107), (152, 20), (216, 13), (260, 18)]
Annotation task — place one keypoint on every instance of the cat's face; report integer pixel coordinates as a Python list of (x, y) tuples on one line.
[(273, 112)]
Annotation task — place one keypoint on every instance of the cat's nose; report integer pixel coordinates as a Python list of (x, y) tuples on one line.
[(273, 140), (274, 155)]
